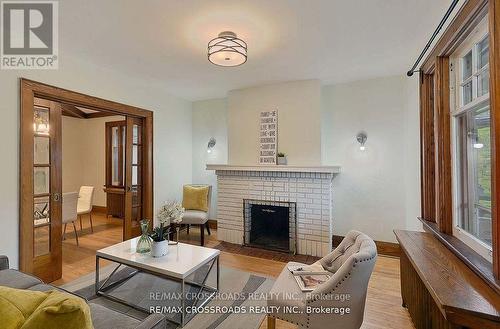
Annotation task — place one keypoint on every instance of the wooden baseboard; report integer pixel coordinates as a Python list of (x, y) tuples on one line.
[(100, 209), (383, 248), (212, 223)]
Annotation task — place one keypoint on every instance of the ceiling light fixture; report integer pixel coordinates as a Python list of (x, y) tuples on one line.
[(227, 50)]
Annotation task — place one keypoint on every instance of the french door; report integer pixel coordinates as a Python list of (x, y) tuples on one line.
[(40, 233), (134, 151), (41, 189)]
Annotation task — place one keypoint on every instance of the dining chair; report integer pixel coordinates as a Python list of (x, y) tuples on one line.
[(85, 200), (69, 212)]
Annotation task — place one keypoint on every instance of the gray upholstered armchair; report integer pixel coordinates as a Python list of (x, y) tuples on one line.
[(351, 263), (4, 262)]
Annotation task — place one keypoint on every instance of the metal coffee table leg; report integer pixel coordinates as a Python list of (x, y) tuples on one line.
[(101, 289)]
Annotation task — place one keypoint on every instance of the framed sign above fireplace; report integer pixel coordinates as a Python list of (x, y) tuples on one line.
[(268, 137)]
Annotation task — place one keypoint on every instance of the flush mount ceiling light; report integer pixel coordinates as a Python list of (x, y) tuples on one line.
[(227, 50)]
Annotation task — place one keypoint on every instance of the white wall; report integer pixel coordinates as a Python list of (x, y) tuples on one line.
[(299, 121), (84, 155), (412, 154), (172, 131), (72, 144), (378, 189), (209, 120)]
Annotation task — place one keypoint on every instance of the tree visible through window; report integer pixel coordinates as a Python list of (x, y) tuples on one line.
[(472, 139)]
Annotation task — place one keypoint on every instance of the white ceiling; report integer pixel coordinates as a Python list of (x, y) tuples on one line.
[(331, 40)]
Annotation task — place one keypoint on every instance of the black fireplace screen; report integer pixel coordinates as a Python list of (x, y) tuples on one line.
[(270, 225)]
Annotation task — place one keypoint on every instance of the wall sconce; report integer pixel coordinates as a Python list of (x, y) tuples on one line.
[(361, 138), (211, 144)]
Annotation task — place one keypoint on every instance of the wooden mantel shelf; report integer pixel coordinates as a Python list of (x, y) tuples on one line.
[(270, 168), (439, 290)]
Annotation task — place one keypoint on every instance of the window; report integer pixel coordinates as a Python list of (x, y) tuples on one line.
[(471, 126)]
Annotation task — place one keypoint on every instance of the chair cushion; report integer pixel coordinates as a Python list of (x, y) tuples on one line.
[(105, 318), (82, 211), (195, 197), (194, 217), (286, 292), (15, 279)]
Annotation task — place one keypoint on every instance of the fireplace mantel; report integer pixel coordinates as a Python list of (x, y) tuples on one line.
[(270, 168), (308, 187)]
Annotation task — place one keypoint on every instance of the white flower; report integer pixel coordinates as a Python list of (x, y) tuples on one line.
[(171, 211)]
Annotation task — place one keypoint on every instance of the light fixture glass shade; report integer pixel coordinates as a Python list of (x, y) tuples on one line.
[(227, 50)]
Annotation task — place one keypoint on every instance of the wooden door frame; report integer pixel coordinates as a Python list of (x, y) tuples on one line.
[(31, 89)]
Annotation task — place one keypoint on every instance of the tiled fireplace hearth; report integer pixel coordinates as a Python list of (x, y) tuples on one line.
[(309, 189)]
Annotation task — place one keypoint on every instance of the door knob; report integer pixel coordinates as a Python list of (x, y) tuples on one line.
[(56, 197)]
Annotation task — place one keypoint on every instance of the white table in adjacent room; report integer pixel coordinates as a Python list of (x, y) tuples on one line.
[(181, 262)]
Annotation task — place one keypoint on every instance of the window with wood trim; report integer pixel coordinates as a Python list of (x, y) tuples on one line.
[(460, 138), (471, 142)]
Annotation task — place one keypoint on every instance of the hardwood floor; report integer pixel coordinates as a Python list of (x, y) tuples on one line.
[(383, 305), (383, 308), (80, 260)]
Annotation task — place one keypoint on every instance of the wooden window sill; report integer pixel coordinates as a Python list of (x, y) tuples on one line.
[(473, 260)]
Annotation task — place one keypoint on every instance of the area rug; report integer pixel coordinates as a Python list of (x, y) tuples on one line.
[(241, 294)]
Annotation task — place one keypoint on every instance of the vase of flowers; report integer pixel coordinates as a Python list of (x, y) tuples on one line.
[(171, 213), (159, 246)]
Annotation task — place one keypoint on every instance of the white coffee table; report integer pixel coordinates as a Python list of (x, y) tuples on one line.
[(181, 261)]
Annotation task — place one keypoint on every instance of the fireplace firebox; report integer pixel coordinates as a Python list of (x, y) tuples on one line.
[(270, 225)]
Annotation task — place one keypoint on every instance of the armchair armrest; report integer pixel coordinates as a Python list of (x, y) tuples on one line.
[(4, 262)]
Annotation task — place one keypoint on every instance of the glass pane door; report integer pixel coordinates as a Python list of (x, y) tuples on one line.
[(41, 200), (41, 181), (134, 184)]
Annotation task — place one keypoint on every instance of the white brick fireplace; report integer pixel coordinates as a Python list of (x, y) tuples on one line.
[(310, 188)]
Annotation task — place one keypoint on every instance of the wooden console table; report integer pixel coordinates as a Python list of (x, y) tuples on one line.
[(439, 290)]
